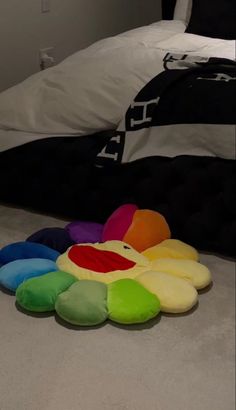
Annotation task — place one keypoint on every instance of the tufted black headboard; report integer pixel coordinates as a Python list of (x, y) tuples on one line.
[(168, 7)]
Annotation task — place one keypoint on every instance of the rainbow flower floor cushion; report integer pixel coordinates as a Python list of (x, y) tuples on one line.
[(90, 283)]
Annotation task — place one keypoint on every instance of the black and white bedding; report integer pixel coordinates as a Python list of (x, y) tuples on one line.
[(188, 109), (173, 151)]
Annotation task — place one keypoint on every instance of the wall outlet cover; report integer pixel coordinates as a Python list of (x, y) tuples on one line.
[(45, 6), (46, 57)]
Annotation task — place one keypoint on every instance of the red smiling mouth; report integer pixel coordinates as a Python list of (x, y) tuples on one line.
[(96, 260)]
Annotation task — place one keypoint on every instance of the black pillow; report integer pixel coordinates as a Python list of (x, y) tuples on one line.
[(213, 18)]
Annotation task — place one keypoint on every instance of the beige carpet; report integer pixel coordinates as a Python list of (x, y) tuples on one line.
[(173, 363)]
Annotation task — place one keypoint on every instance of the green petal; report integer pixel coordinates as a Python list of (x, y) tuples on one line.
[(129, 302), (40, 294), (84, 304)]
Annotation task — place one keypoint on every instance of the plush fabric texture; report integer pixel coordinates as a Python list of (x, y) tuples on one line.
[(139, 228), (176, 295), (103, 251), (171, 248), (55, 238), (189, 252), (85, 232), (129, 302), (25, 250), (40, 294), (148, 228), (115, 281), (90, 258), (16, 272), (213, 18), (118, 223), (106, 262), (84, 304), (194, 272)]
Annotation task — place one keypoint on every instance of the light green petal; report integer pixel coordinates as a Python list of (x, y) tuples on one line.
[(84, 304)]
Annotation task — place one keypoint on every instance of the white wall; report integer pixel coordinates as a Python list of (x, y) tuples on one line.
[(71, 25)]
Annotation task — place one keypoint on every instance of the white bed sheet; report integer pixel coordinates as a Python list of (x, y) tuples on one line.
[(91, 90)]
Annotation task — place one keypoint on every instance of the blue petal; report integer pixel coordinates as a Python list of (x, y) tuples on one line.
[(26, 250), (16, 272)]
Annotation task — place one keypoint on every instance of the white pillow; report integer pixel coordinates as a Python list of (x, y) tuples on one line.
[(183, 9), (90, 90)]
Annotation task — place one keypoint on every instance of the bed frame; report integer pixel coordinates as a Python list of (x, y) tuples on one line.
[(168, 7)]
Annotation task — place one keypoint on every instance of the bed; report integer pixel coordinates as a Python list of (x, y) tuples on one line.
[(145, 117)]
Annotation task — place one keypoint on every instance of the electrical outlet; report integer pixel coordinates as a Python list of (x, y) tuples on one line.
[(45, 6), (46, 57)]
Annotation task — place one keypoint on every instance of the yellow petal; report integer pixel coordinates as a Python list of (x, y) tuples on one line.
[(198, 274), (175, 294), (172, 248)]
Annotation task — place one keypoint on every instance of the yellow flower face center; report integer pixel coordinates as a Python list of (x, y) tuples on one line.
[(103, 262), (98, 260)]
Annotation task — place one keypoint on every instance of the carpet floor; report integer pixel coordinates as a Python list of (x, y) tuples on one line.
[(183, 362)]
